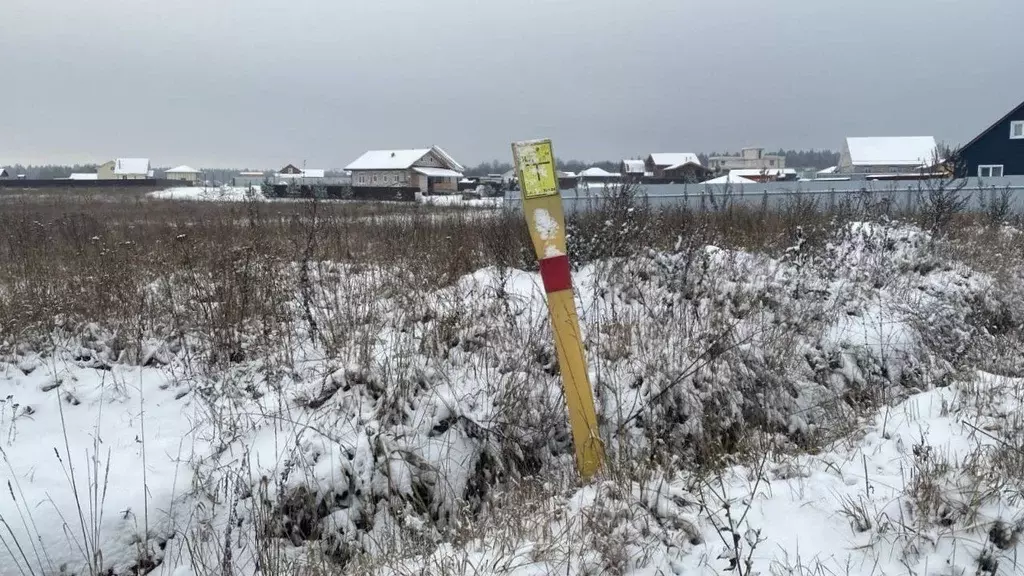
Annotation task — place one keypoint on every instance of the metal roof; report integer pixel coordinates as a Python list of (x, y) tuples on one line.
[(892, 150)]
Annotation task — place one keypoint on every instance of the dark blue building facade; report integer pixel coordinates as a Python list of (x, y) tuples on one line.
[(996, 152)]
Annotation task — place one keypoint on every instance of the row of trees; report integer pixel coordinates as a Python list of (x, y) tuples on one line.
[(819, 159), (47, 172), (500, 167)]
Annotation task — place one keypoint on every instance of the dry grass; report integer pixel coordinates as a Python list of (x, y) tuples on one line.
[(233, 275)]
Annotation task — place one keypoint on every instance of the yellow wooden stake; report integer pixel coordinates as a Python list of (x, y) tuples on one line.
[(542, 205)]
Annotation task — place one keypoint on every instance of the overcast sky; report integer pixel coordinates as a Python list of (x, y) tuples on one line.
[(260, 83)]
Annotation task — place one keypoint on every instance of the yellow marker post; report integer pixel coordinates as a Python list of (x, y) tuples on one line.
[(542, 204)]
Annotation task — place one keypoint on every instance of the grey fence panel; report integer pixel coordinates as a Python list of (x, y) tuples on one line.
[(892, 196)]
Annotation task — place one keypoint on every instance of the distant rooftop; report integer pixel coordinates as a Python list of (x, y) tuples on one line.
[(634, 166), (912, 151), (131, 166), (674, 159), (400, 159)]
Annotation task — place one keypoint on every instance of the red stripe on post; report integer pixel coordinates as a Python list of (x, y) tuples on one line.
[(555, 273)]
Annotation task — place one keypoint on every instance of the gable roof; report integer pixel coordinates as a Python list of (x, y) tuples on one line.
[(3, 172), (182, 170), (131, 166), (634, 166), (1019, 108), (674, 159), (400, 159), (596, 172), (447, 159), (912, 151)]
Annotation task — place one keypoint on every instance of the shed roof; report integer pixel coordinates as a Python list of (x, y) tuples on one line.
[(892, 150), (674, 159), (131, 166), (437, 172), (730, 178), (84, 176)]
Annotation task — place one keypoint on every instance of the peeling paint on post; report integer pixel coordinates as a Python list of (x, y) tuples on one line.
[(542, 205)]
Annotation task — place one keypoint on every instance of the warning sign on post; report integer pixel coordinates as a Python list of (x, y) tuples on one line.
[(537, 176), (545, 217)]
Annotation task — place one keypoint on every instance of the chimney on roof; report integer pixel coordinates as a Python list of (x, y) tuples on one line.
[(392, 154)]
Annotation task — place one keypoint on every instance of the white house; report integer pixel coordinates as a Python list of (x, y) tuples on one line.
[(887, 155), (428, 169), (749, 159), (248, 178), (184, 174), (125, 169)]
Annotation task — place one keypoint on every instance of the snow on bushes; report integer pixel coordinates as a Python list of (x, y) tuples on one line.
[(368, 416)]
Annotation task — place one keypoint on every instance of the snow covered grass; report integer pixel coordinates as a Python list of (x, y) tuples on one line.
[(317, 388)]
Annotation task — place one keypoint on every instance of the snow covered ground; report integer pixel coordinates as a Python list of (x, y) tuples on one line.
[(222, 194), (817, 413), (456, 200), (917, 490), (234, 194)]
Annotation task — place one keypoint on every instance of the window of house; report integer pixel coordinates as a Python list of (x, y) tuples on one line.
[(990, 171), (1017, 130)]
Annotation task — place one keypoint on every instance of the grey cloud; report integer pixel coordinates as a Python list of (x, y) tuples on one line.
[(264, 82)]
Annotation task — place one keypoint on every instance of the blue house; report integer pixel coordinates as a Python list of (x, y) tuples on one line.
[(996, 152)]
